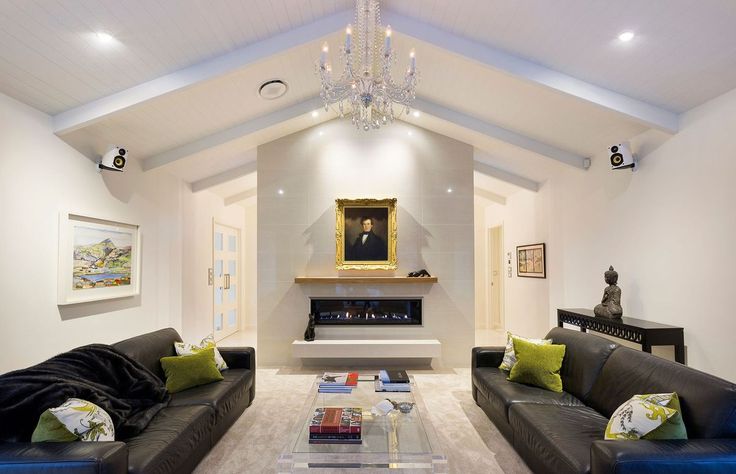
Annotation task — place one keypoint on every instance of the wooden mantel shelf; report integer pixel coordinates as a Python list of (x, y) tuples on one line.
[(340, 280)]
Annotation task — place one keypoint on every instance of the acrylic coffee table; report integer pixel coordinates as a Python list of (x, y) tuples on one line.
[(395, 442)]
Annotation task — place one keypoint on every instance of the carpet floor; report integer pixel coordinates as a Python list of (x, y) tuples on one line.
[(470, 441)]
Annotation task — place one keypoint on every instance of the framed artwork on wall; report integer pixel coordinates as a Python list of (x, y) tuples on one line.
[(98, 259), (531, 261), (365, 234)]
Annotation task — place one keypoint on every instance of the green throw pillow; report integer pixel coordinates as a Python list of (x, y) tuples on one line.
[(538, 364), (509, 357), (183, 372), (649, 416)]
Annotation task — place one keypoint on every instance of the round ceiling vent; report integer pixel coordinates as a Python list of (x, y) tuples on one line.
[(274, 89)]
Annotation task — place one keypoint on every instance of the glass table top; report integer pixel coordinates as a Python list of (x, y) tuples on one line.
[(396, 441)]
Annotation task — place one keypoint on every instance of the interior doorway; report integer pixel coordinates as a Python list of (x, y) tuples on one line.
[(226, 264), (495, 292)]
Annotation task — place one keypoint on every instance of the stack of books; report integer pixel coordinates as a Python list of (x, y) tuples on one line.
[(392, 381), (338, 382), (336, 426)]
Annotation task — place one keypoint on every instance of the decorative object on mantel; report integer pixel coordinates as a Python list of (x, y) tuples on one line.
[(309, 332), (365, 234), (531, 261), (610, 306), (365, 85), (363, 280), (419, 274)]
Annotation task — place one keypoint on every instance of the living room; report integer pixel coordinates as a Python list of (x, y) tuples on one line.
[(500, 141)]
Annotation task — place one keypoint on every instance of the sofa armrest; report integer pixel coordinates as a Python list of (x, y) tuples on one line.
[(486, 356), (700, 456), (239, 357), (108, 457)]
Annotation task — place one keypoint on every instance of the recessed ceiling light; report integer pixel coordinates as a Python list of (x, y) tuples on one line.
[(416, 113), (449, 190), (273, 89), (321, 133), (280, 191), (315, 114), (104, 38), (626, 36), (410, 133)]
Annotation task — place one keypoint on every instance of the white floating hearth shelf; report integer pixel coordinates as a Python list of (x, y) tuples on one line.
[(339, 280)]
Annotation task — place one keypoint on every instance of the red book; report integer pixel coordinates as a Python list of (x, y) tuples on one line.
[(336, 420)]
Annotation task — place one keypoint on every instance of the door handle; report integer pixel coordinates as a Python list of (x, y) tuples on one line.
[(227, 281)]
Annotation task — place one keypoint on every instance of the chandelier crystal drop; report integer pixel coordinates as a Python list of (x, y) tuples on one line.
[(365, 89)]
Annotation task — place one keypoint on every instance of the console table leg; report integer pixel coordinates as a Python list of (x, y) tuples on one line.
[(646, 347), (680, 353)]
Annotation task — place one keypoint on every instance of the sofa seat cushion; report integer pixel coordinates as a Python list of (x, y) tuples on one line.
[(217, 394), (502, 394), (175, 440), (556, 437)]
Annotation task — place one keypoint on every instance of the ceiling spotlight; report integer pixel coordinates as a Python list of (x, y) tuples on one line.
[(626, 36), (416, 113), (321, 133), (449, 190), (280, 191), (315, 114), (104, 38), (273, 89), (410, 133)]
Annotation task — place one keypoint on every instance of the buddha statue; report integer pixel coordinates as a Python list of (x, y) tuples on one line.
[(610, 306)]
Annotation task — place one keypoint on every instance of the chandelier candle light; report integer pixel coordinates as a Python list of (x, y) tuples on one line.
[(366, 84)]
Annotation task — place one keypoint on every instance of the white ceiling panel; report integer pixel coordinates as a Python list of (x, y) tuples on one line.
[(683, 54), (180, 117)]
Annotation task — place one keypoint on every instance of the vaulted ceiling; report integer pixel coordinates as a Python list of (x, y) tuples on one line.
[(533, 84)]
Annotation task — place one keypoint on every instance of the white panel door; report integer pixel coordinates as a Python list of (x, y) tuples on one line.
[(226, 265)]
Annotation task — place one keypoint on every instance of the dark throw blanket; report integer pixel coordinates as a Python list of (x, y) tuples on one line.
[(121, 386)]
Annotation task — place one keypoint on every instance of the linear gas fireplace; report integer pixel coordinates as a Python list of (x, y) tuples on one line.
[(362, 311)]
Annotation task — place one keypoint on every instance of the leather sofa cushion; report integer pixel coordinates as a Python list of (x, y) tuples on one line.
[(708, 403), (556, 438), (148, 349), (502, 394), (585, 355), (221, 396), (175, 440)]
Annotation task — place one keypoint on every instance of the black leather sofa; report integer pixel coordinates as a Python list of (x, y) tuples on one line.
[(563, 432), (175, 440)]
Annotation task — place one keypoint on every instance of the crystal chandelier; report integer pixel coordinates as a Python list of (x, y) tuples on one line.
[(365, 89)]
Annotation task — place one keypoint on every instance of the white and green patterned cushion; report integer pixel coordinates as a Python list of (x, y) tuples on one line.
[(650, 416), (75, 419), (183, 348), (509, 356)]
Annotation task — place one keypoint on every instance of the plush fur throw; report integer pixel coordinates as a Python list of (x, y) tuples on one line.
[(121, 386)]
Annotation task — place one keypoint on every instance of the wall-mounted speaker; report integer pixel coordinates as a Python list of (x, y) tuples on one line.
[(621, 157)]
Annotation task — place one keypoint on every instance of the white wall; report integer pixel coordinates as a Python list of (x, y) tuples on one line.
[(667, 228), (296, 230), (39, 177)]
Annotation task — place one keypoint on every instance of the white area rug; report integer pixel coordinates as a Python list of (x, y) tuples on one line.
[(469, 440)]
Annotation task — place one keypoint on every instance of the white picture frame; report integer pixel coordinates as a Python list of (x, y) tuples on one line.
[(99, 259)]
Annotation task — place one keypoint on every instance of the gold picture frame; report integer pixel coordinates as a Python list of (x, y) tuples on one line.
[(363, 245), (531, 261)]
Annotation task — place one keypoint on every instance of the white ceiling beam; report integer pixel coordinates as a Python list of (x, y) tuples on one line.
[(249, 193), (86, 114), (230, 134), (224, 177), (505, 176), (642, 112), (491, 196), (499, 133)]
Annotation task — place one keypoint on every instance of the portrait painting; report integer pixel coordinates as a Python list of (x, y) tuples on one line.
[(365, 234), (98, 259), (530, 261)]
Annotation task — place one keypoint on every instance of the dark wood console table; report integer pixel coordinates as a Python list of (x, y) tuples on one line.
[(646, 333)]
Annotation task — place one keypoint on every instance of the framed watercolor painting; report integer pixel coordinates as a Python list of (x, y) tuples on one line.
[(98, 259), (365, 234), (531, 261)]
